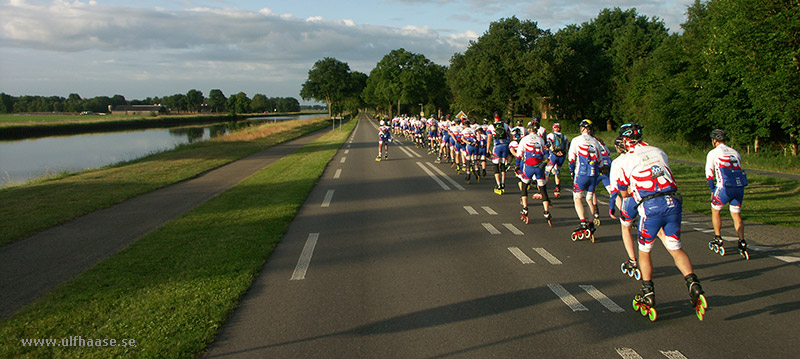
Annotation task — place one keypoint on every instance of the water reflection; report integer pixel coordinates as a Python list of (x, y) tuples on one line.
[(22, 160)]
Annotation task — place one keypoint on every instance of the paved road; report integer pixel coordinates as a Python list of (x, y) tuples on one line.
[(400, 259), (33, 266)]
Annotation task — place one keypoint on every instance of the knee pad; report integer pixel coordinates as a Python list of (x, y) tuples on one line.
[(524, 191), (589, 196)]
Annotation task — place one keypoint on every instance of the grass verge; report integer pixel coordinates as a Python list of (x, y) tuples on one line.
[(171, 290), (31, 208)]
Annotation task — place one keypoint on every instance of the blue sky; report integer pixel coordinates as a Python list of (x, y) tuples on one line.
[(144, 48)]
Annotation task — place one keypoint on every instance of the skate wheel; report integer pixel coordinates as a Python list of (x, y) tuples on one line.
[(592, 236), (636, 302), (574, 237), (580, 236), (643, 310), (597, 221), (714, 248), (702, 300), (711, 246), (746, 255), (550, 223), (637, 274), (652, 314), (722, 251), (525, 220), (622, 268)]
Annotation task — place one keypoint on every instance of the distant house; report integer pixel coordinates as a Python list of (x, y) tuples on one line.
[(138, 110)]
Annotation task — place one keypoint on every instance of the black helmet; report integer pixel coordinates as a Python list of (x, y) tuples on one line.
[(619, 142), (719, 135), (587, 123), (534, 124), (631, 131), (516, 134)]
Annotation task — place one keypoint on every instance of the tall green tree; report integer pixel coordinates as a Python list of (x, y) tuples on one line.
[(496, 77), (194, 99), (329, 81), (216, 100)]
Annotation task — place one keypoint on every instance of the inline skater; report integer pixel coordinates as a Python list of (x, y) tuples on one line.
[(500, 137), (584, 166), (470, 152), (433, 135), (444, 146), (724, 164), (646, 177), (513, 149), (482, 141), (533, 150), (605, 169), (384, 137), (627, 211), (558, 144)]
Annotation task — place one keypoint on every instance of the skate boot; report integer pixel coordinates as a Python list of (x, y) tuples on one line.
[(466, 179), (536, 196), (386, 157), (591, 231), (497, 190), (581, 233), (596, 217), (696, 296), (548, 218), (716, 245), (557, 192), (523, 215), (645, 303), (631, 268), (378, 159), (502, 188), (742, 245)]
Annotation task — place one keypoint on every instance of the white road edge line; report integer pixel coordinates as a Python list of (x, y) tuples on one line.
[(343, 159), (520, 255), (452, 182), (628, 353), (567, 298), (470, 210), (672, 354), (305, 257), (338, 173), (547, 256), (328, 197), (406, 151), (489, 210), (444, 186), (489, 227), (513, 229), (602, 298)]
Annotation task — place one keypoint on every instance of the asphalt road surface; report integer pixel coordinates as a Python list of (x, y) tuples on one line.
[(402, 259)]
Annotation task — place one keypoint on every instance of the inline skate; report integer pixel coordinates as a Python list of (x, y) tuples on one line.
[(548, 218), (378, 159), (523, 215), (742, 245), (645, 303), (716, 245), (557, 192), (631, 268), (696, 295), (596, 217), (584, 231)]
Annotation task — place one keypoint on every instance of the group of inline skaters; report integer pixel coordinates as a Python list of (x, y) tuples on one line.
[(639, 181)]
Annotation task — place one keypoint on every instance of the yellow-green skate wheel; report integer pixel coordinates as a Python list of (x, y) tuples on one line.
[(652, 314)]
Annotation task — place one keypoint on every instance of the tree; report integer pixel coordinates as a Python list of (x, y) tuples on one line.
[(260, 104), (194, 99), (216, 100), (495, 76), (329, 81), (239, 103)]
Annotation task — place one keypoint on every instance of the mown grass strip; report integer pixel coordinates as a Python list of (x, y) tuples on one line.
[(31, 208), (171, 290)]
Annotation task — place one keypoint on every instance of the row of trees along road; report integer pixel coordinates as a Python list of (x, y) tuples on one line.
[(192, 101), (735, 66)]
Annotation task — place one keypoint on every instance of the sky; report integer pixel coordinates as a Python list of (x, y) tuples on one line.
[(146, 48)]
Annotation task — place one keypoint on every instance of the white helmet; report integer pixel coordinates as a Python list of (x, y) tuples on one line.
[(382, 123)]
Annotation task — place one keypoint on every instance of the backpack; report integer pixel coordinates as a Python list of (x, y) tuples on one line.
[(558, 144), (500, 130)]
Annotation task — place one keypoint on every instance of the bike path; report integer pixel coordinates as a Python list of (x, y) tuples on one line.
[(33, 266)]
